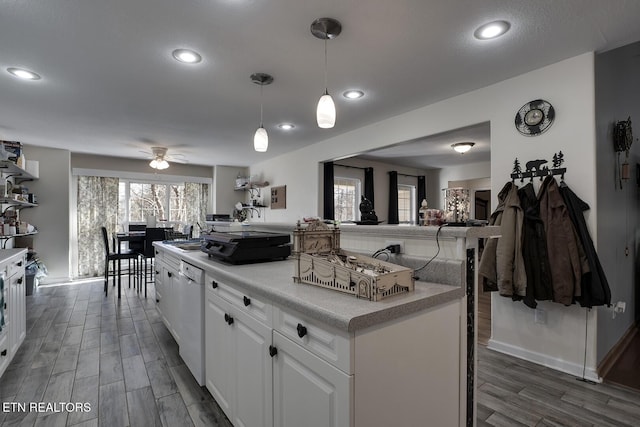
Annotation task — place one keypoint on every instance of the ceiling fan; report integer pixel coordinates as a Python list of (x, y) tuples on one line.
[(160, 159)]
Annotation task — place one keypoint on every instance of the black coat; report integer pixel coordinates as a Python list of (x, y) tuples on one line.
[(595, 288), (534, 249)]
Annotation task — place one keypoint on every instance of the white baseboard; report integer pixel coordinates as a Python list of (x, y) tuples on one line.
[(545, 360), (47, 280)]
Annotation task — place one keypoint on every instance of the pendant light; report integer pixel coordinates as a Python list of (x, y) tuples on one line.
[(326, 29), (261, 139)]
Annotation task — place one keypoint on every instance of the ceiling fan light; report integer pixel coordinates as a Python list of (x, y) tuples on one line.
[(326, 112), (163, 164), (154, 164), (462, 147), (261, 140)]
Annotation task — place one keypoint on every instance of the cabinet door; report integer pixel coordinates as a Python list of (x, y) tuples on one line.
[(307, 391), (219, 361), (14, 315), (253, 398), (169, 302), (163, 294), (21, 309)]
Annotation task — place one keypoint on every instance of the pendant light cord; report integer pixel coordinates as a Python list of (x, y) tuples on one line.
[(261, 85), (326, 86)]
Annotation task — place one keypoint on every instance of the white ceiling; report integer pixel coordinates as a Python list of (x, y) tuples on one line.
[(110, 85), (435, 152)]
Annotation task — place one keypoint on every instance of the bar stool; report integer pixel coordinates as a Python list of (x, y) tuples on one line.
[(116, 258)]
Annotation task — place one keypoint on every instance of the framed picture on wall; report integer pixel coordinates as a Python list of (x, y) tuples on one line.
[(279, 197)]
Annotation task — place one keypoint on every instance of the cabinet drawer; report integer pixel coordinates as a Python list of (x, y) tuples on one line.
[(246, 302), (324, 341), (16, 266)]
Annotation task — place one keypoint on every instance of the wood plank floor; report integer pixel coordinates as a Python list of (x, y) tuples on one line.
[(514, 392), (115, 355), (119, 357)]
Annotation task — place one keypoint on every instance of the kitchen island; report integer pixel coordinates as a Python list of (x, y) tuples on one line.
[(277, 353)]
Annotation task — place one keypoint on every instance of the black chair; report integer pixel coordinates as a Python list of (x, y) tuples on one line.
[(116, 258), (137, 245), (149, 254)]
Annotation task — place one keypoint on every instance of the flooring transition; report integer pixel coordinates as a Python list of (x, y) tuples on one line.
[(119, 357), (626, 371)]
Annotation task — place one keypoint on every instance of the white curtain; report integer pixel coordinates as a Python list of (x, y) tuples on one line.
[(196, 196), (97, 207)]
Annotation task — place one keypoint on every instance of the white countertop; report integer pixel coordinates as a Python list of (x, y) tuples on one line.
[(6, 254), (274, 282)]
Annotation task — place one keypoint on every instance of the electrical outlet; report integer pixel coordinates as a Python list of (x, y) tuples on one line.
[(395, 242), (540, 316), (620, 307)]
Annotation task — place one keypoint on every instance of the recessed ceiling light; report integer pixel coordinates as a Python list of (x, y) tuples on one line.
[(286, 126), (187, 56), (492, 30), (353, 94), (23, 74)]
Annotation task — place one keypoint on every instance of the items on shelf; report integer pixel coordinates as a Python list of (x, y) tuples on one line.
[(14, 196)]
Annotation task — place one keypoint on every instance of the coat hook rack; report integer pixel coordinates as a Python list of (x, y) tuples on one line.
[(538, 168)]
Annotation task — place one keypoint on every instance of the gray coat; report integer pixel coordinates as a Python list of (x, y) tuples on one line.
[(502, 265)]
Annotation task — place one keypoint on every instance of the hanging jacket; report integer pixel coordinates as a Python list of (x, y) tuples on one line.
[(534, 249), (595, 288), (501, 265), (566, 255)]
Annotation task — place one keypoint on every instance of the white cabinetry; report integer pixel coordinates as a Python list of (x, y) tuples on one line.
[(12, 270), (238, 363), (307, 391), (167, 267), (274, 361)]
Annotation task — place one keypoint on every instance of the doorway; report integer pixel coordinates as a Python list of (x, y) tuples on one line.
[(483, 211)]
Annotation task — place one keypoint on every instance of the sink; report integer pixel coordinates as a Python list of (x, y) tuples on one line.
[(185, 245)]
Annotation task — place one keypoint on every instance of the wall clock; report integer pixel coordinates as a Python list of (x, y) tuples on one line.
[(534, 117)]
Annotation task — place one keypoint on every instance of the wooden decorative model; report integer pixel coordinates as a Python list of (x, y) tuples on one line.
[(319, 261)]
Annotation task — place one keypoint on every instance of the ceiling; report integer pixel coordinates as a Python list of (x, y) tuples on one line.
[(435, 152), (111, 86)]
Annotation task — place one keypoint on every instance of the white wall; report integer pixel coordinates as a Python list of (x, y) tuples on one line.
[(569, 87), (224, 195), (617, 97), (52, 216)]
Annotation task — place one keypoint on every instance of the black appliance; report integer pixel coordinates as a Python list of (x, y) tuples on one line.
[(243, 247)]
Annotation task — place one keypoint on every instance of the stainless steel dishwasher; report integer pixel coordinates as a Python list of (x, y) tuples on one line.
[(191, 318)]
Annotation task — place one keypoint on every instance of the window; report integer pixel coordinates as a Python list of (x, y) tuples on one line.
[(346, 194), (406, 204), (138, 200)]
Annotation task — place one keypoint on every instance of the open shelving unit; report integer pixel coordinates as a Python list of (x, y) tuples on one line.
[(8, 171)]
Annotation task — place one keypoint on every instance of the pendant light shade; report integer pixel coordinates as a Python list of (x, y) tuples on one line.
[(326, 112), (326, 29), (261, 138)]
